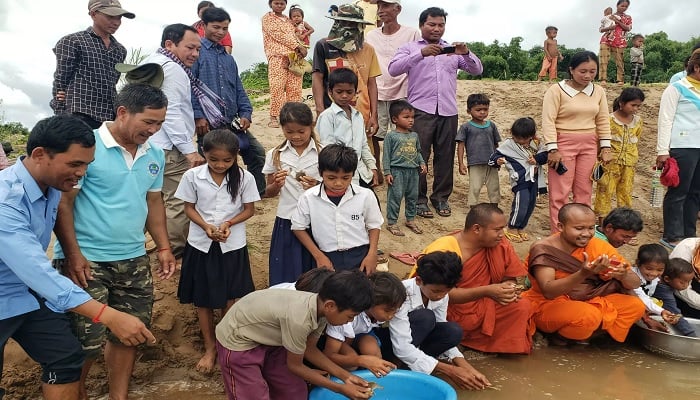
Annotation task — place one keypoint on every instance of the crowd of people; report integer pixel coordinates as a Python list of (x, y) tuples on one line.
[(161, 155)]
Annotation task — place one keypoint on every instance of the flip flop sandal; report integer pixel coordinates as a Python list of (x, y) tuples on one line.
[(406, 258), (666, 243), (424, 211), (414, 228), (634, 241), (443, 209), (394, 230), (512, 236), (273, 124)]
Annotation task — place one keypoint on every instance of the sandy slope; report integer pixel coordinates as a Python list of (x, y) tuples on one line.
[(175, 325)]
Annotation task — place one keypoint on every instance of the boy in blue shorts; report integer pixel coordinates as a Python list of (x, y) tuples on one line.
[(355, 344), (263, 339), (344, 218)]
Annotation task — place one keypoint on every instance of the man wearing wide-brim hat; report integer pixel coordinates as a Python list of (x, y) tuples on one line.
[(85, 79), (345, 48)]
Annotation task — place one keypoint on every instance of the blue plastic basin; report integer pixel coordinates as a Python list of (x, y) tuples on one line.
[(399, 384)]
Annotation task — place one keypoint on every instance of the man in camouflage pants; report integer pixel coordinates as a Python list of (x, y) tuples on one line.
[(100, 228)]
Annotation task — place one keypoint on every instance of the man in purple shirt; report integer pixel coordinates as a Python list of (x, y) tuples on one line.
[(431, 65)]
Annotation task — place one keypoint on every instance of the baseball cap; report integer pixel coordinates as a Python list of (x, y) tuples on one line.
[(149, 73), (391, 1), (352, 13), (109, 7)]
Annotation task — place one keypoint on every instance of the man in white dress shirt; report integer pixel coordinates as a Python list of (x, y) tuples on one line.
[(176, 136)]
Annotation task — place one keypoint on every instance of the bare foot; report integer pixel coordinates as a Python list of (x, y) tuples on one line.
[(207, 362)]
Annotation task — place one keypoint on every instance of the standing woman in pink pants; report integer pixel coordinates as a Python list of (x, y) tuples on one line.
[(576, 130)]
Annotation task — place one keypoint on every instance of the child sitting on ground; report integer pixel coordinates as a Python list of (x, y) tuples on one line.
[(402, 163), (345, 219), (677, 276), (355, 344), (480, 138), (521, 154), (419, 334), (651, 262), (264, 338)]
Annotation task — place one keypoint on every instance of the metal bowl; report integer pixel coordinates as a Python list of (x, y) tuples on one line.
[(673, 344)]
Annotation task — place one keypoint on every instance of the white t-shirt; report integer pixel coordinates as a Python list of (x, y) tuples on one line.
[(214, 204), (391, 87)]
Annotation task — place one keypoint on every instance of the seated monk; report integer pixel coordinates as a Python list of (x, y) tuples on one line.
[(486, 302), (579, 282)]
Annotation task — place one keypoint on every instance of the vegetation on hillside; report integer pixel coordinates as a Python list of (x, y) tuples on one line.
[(508, 61)]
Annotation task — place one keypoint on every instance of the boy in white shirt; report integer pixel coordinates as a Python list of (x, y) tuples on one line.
[(355, 344), (650, 265), (344, 218), (342, 123), (420, 335)]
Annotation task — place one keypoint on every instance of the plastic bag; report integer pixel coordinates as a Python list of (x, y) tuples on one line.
[(298, 65)]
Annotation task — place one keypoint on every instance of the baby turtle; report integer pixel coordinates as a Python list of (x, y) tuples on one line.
[(300, 175), (373, 386), (675, 318)]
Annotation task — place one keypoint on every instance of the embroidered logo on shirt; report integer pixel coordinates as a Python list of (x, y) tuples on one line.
[(153, 168)]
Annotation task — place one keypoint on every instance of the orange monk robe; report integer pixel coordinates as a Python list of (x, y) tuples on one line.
[(577, 319), (489, 326)]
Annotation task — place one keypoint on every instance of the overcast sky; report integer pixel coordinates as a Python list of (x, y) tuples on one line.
[(30, 28)]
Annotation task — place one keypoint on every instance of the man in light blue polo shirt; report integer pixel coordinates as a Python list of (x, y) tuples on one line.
[(33, 296), (100, 226)]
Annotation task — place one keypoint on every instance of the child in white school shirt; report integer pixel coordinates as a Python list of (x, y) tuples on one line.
[(345, 219), (219, 197)]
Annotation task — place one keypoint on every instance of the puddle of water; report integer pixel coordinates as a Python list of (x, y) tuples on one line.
[(620, 373)]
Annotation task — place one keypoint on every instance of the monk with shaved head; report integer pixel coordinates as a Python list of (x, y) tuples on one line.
[(580, 283)]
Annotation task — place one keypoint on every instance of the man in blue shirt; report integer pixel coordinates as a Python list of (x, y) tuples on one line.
[(33, 295), (219, 71), (100, 226)]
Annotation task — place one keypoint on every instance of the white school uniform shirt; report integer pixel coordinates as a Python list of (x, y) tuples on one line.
[(686, 250), (293, 163), (340, 227), (214, 204), (285, 285), (400, 330), (334, 126), (361, 324), (644, 297)]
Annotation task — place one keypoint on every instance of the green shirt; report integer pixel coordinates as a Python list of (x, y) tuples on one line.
[(401, 150)]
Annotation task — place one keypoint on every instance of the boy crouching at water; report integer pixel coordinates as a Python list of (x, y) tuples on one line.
[(419, 334), (265, 336), (355, 344), (344, 218)]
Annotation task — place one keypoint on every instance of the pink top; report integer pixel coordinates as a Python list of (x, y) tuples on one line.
[(301, 29)]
